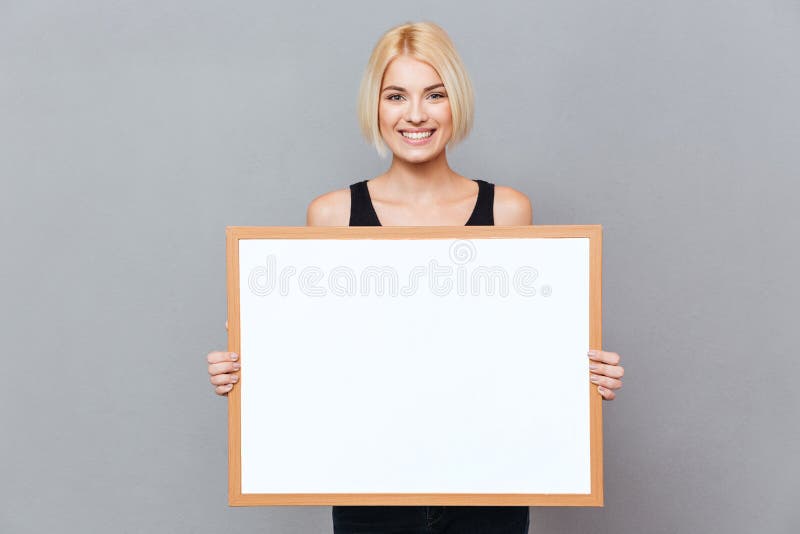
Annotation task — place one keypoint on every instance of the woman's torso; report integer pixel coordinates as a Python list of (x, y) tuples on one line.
[(349, 519), (362, 209)]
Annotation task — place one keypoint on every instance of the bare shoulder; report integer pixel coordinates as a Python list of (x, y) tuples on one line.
[(330, 209), (511, 207)]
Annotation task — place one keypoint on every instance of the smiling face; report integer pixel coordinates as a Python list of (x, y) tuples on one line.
[(414, 111)]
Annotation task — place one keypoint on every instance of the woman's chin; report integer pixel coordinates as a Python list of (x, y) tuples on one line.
[(416, 156)]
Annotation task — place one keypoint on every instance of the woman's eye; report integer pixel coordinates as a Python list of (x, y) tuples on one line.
[(396, 97)]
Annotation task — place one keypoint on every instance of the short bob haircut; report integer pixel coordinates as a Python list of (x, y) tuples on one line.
[(426, 42)]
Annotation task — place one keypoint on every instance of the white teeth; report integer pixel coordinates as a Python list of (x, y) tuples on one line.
[(417, 135)]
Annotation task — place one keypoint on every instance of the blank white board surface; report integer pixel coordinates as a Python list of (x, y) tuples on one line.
[(392, 366)]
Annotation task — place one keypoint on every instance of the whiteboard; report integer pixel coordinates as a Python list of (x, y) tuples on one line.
[(410, 367)]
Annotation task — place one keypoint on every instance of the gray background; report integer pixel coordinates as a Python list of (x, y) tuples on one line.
[(132, 133)]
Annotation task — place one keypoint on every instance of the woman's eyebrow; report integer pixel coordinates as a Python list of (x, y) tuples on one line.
[(398, 88)]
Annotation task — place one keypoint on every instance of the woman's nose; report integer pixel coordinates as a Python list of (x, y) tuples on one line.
[(416, 111)]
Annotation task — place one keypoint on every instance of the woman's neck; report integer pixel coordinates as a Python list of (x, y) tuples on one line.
[(420, 180)]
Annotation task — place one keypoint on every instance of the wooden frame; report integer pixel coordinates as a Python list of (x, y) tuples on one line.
[(236, 498)]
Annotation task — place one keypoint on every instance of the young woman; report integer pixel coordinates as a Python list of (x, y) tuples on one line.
[(415, 100)]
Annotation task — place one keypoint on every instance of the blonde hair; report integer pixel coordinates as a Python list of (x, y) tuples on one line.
[(426, 42)]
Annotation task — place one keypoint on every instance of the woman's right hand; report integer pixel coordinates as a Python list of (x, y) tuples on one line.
[(222, 368)]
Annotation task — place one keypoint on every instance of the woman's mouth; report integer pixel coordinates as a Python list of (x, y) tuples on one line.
[(416, 138)]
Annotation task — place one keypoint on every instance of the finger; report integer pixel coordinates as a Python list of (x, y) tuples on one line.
[(223, 390), (604, 381), (604, 357), (223, 367), (614, 371), (221, 380), (218, 356), (607, 394)]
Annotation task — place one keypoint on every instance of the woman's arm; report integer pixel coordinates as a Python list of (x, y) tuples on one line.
[(511, 207), (330, 209)]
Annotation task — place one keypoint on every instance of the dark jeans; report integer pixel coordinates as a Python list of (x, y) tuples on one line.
[(431, 519)]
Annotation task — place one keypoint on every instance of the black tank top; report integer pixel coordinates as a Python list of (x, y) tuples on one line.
[(362, 212)]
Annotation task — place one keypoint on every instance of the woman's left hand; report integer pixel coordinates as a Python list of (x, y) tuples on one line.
[(606, 372)]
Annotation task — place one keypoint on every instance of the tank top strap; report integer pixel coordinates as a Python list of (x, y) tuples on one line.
[(483, 214), (362, 212)]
